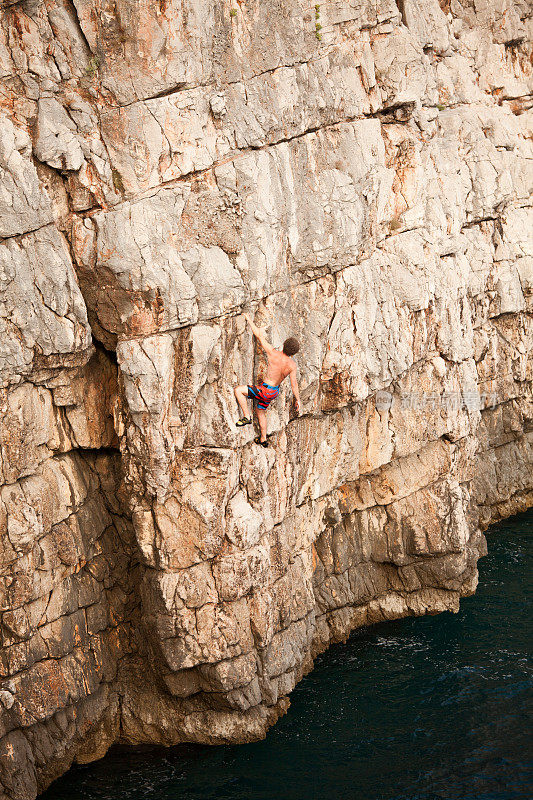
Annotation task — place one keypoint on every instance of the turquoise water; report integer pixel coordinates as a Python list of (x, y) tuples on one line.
[(433, 708)]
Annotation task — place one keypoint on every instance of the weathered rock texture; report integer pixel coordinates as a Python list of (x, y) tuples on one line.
[(355, 173)]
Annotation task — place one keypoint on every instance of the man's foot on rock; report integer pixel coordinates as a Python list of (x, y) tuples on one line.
[(257, 440), (243, 421)]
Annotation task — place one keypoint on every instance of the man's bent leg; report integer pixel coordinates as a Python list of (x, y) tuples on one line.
[(241, 393), (262, 418)]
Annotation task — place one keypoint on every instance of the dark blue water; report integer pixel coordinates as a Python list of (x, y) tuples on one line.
[(419, 709)]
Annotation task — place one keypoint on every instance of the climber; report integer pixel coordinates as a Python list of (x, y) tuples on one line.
[(280, 365)]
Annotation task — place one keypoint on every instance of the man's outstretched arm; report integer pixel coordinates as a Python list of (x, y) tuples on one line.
[(259, 335), (295, 389)]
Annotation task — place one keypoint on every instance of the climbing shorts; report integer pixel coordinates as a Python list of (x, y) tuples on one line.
[(263, 395)]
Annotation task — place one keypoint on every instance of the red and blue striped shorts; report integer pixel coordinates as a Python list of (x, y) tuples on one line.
[(263, 395)]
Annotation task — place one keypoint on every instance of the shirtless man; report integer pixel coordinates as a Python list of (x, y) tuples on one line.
[(280, 365)]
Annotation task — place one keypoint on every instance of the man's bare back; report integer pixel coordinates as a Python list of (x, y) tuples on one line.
[(280, 365)]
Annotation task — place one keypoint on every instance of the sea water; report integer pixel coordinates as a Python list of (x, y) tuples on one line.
[(431, 708)]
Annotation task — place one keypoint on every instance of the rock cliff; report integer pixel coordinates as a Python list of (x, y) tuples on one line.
[(357, 174)]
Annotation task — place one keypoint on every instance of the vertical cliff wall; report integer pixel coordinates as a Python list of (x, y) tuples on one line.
[(357, 174)]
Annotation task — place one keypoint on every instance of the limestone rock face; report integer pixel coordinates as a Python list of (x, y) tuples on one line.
[(356, 174)]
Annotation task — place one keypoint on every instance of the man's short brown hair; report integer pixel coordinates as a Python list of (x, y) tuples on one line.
[(291, 346)]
